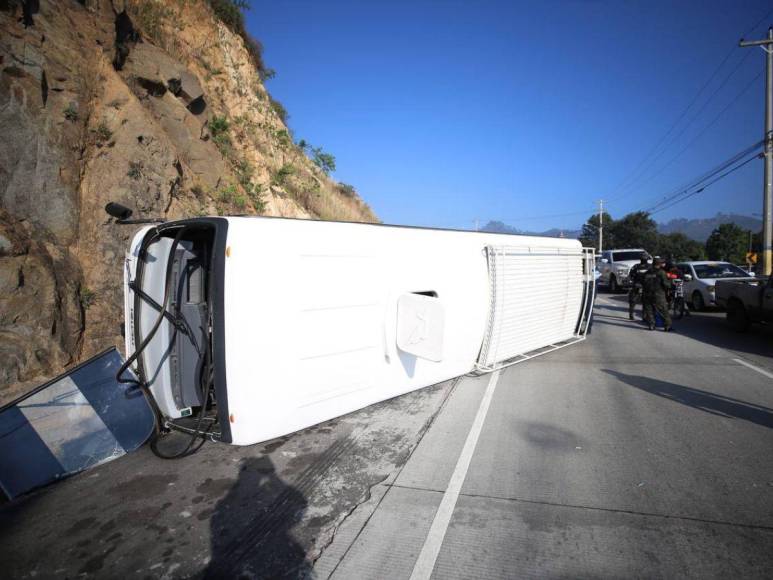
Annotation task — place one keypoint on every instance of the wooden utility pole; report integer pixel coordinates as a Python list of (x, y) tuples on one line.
[(767, 191), (601, 225)]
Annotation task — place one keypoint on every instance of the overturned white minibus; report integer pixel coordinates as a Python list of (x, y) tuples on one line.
[(270, 325)]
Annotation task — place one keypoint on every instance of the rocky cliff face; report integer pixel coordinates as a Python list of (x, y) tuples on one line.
[(158, 105)]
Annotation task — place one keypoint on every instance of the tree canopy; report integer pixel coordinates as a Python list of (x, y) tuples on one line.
[(678, 247), (729, 243), (590, 232)]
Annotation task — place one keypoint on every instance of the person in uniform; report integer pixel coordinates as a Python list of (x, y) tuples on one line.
[(637, 278), (655, 287)]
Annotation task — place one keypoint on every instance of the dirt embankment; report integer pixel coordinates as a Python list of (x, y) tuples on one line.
[(159, 105)]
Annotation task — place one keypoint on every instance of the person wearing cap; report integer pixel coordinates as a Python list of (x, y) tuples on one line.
[(655, 287), (637, 279)]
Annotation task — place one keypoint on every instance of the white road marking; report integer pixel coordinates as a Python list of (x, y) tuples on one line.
[(754, 368), (429, 552)]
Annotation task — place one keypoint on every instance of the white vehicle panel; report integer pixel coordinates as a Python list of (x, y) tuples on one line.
[(311, 311), (312, 320)]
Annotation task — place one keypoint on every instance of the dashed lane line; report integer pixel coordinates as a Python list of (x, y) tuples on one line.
[(422, 570), (754, 368)]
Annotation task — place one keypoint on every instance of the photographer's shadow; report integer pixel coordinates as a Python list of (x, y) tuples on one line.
[(251, 527)]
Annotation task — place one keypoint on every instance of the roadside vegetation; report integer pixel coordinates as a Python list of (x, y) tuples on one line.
[(258, 144), (728, 242)]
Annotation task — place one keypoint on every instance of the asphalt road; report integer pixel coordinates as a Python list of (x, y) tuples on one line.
[(634, 453)]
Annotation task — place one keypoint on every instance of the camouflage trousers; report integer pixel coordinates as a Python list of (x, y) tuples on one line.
[(653, 304), (634, 296)]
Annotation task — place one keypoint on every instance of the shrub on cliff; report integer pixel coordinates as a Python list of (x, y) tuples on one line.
[(231, 13)]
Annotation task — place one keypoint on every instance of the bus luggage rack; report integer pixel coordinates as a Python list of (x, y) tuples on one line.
[(531, 305)]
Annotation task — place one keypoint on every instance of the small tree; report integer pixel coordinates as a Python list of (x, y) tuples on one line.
[(590, 232), (677, 247), (728, 242), (325, 161), (635, 230)]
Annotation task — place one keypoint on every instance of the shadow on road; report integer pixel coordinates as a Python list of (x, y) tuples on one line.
[(711, 328), (697, 399), (251, 527)]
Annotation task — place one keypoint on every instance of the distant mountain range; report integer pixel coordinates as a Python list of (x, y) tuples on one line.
[(498, 227), (697, 229), (700, 229)]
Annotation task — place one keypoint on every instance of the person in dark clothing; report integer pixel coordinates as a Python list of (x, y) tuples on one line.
[(655, 287), (637, 278)]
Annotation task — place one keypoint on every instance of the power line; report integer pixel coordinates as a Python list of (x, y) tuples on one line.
[(710, 124), (645, 163), (695, 138), (704, 179), (709, 184), (709, 174), (760, 21)]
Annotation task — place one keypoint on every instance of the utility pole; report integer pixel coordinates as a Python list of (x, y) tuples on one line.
[(767, 200), (601, 225)]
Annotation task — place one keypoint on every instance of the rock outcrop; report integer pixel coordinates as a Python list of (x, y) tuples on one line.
[(156, 105)]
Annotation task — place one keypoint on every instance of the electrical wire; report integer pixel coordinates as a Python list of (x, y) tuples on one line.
[(646, 163), (641, 168), (697, 136), (708, 175), (707, 185)]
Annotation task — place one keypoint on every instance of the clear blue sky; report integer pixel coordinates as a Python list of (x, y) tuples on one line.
[(443, 112)]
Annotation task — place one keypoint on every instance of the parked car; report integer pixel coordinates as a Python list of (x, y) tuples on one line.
[(615, 267), (699, 287), (746, 301)]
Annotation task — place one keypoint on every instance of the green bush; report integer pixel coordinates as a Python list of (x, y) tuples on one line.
[(231, 13), (219, 125), (239, 201), (325, 161), (71, 113), (281, 175), (87, 297), (255, 192), (227, 193), (244, 172), (135, 169), (103, 133), (149, 18), (283, 136), (347, 190)]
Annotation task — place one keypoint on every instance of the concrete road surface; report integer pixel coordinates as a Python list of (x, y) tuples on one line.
[(633, 454)]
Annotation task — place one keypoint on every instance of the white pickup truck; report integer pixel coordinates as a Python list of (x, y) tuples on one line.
[(746, 300), (615, 267)]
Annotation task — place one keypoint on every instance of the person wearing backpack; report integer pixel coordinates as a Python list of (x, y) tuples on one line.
[(655, 286)]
